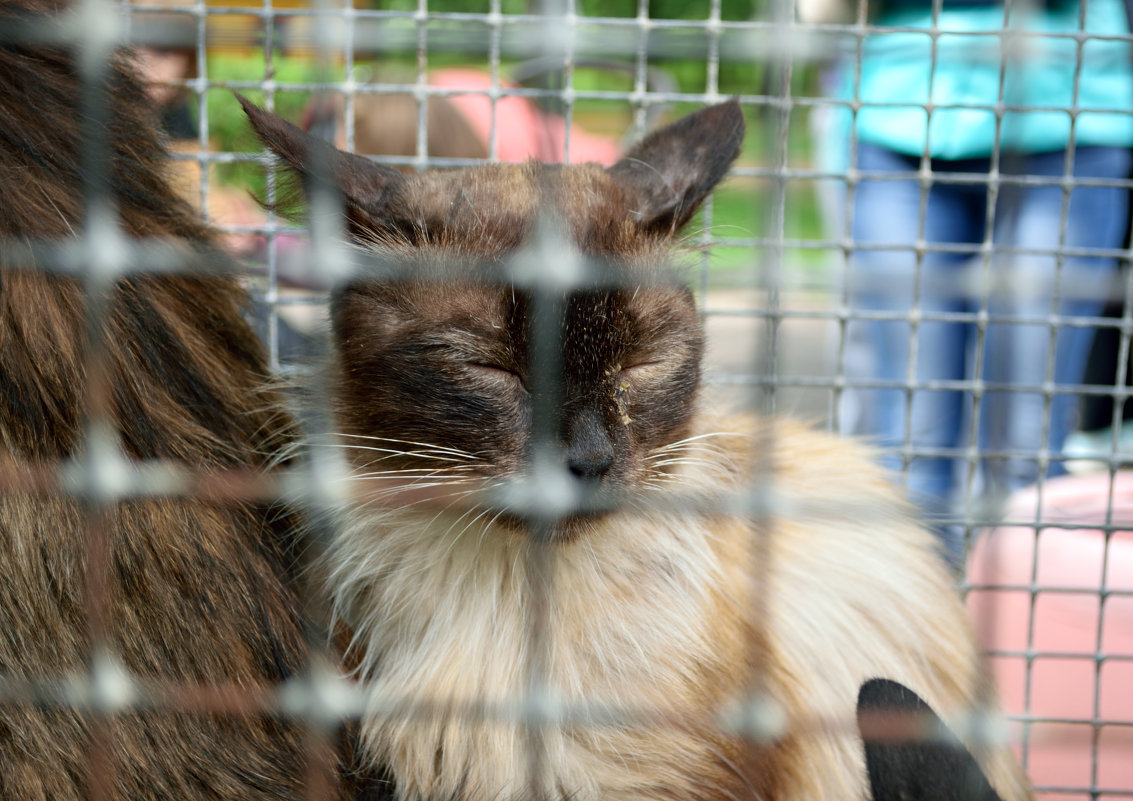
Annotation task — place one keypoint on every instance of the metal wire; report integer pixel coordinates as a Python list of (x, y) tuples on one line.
[(783, 284)]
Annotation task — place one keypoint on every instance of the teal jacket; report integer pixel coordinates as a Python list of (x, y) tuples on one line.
[(897, 80)]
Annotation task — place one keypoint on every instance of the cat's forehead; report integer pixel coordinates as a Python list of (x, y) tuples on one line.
[(457, 303), (493, 309), (489, 211)]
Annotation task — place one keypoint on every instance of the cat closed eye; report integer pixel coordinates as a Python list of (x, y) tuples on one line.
[(640, 370), (498, 372), (642, 365)]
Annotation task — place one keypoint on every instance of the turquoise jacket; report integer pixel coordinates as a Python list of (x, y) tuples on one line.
[(1043, 77)]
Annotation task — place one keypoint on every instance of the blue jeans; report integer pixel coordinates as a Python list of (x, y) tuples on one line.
[(907, 405)]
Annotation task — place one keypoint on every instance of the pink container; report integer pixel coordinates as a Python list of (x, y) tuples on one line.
[(1043, 590)]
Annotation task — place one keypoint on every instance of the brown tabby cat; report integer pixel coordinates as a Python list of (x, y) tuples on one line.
[(667, 612), (197, 604)]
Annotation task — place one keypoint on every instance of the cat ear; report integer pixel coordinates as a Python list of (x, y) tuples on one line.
[(910, 754), (671, 171), (369, 190)]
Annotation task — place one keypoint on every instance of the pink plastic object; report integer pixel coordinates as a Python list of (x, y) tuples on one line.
[(522, 130), (1044, 590)]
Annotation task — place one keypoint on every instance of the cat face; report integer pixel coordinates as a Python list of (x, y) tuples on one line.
[(454, 364), (443, 360)]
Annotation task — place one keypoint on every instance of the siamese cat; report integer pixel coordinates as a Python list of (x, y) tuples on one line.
[(653, 625)]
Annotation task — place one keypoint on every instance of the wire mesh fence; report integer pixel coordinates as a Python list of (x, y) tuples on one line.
[(966, 308)]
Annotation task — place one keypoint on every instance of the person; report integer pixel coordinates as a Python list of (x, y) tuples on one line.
[(460, 125), (991, 148)]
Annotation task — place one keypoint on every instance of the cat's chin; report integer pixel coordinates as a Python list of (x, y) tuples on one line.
[(507, 521), (576, 527), (564, 531)]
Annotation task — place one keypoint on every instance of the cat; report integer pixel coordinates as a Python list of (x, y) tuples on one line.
[(201, 603), (458, 593)]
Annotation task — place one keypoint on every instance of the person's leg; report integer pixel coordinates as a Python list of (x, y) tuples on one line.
[(1030, 217), (883, 211), (890, 282)]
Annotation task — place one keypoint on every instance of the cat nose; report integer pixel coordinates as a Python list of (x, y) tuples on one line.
[(590, 467), (589, 453)]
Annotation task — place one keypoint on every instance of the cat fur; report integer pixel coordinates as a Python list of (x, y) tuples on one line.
[(200, 598), (676, 613)]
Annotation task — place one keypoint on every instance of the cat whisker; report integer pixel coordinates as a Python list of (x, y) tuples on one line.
[(701, 437), (468, 525), (456, 496), (708, 450), (499, 513), (402, 494), (453, 541), (455, 459), (699, 442), (687, 460), (409, 473), (284, 454), (426, 446), (391, 453), (383, 499), (409, 478), (417, 485)]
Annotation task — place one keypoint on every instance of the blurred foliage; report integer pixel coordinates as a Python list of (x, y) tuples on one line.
[(228, 127), (691, 75), (738, 208), (658, 9)]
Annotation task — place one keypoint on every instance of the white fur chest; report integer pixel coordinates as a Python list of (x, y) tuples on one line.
[(445, 624)]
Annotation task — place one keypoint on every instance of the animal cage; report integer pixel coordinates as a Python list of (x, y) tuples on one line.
[(969, 311)]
